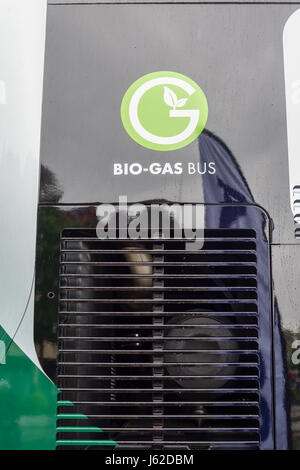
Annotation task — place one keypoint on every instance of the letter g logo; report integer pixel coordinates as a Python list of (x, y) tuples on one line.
[(150, 113)]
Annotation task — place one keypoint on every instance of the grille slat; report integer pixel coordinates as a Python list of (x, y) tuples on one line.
[(142, 416), (166, 301), (141, 351), (176, 359), (159, 263), (158, 289), (181, 314), (165, 364), (160, 252), (171, 325), (130, 339), (160, 276), (166, 403), (128, 377)]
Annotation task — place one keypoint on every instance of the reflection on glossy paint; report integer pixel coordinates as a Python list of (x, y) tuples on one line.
[(230, 186)]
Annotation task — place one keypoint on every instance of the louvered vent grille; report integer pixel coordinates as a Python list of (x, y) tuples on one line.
[(158, 343)]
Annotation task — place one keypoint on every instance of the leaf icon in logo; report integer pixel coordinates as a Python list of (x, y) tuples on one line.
[(170, 97), (172, 100), (181, 102)]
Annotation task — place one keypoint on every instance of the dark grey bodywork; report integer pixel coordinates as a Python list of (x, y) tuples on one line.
[(234, 52)]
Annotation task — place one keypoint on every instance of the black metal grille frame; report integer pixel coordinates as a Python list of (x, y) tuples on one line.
[(158, 343)]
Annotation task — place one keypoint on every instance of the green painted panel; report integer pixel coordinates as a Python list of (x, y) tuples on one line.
[(78, 429), (28, 402)]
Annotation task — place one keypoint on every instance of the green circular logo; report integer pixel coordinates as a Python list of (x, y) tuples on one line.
[(164, 111)]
